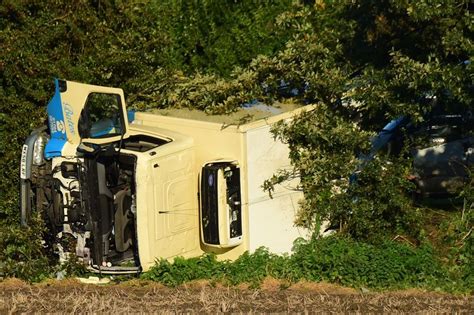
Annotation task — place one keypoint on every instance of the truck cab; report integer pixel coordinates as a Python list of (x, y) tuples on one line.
[(89, 171)]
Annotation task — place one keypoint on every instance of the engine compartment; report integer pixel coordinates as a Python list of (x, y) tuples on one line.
[(90, 206)]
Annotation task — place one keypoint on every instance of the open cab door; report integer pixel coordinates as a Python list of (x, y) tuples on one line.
[(82, 113)]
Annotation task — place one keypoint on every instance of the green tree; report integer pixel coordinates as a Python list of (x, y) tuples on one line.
[(364, 63)]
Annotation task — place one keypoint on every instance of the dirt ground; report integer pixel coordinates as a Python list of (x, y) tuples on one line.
[(69, 296)]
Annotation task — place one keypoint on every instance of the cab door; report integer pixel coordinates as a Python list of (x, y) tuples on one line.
[(176, 214), (84, 113)]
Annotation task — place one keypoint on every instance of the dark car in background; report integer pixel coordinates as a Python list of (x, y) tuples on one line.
[(442, 148)]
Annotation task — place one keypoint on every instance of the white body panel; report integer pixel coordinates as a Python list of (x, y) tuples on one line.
[(267, 221), (271, 220)]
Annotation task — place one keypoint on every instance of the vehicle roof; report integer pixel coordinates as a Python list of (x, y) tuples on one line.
[(248, 113)]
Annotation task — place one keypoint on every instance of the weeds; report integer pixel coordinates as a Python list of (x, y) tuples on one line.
[(389, 265), (21, 254)]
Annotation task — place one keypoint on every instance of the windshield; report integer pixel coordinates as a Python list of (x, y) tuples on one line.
[(104, 115)]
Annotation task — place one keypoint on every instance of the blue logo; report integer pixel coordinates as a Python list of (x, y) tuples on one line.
[(69, 113)]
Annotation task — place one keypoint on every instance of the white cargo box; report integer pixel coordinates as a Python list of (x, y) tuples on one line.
[(245, 137)]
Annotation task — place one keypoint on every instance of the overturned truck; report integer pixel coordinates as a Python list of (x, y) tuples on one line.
[(121, 189)]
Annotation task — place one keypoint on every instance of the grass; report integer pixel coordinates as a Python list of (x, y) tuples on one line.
[(70, 297)]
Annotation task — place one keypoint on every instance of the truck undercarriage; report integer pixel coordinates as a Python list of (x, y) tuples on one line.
[(89, 206)]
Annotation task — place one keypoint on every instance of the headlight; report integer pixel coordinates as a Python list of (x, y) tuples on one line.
[(38, 150)]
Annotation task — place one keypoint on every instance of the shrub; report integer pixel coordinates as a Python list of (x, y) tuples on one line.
[(388, 265), (22, 254)]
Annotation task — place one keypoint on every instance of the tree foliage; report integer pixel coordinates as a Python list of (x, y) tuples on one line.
[(365, 63)]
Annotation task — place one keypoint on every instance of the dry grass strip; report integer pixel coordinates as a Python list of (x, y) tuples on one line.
[(72, 297)]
